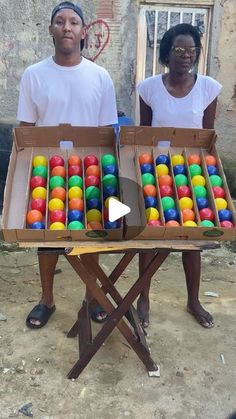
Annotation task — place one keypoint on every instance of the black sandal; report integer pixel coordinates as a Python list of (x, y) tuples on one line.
[(40, 312)]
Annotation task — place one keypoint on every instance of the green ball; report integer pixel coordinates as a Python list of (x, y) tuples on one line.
[(200, 191), (148, 179), (167, 203), (75, 180), (40, 171), (181, 180), (56, 181), (215, 180), (109, 180), (195, 170), (207, 223), (92, 192), (108, 159), (75, 225)]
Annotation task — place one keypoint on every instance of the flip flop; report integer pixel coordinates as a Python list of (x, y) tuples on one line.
[(205, 321), (40, 312), (95, 313)]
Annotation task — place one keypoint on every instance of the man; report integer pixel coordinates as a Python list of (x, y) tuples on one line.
[(65, 88)]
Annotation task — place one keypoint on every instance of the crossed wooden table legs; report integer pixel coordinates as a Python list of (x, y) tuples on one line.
[(129, 325)]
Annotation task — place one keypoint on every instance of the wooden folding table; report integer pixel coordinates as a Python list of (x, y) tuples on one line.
[(120, 309)]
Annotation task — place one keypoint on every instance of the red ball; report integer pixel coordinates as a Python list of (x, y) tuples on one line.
[(90, 160), (226, 224), (105, 214), (39, 204), (56, 161), (92, 181), (166, 190), (36, 181), (206, 214), (57, 215), (154, 223), (75, 170), (183, 191), (218, 192)]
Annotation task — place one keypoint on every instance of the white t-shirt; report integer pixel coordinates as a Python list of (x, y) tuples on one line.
[(82, 95), (184, 112)]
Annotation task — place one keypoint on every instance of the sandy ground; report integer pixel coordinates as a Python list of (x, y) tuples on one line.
[(198, 366)]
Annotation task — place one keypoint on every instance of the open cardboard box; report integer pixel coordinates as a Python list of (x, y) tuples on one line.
[(64, 140), (137, 140)]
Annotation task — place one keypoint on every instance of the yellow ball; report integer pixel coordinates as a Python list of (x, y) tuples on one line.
[(55, 203), (75, 192), (162, 169), (220, 203), (189, 223), (39, 192), (198, 180), (94, 215), (39, 161), (57, 226), (106, 203), (152, 214), (186, 202), (177, 159)]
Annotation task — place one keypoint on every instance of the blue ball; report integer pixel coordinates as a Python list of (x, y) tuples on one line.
[(171, 214), (212, 170), (75, 215), (37, 225), (111, 224), (109, 190), (179, 169), (146, 168), (94, 203), (162, 159), (225, 215), (150, 201), (202, 203), (110, 169)]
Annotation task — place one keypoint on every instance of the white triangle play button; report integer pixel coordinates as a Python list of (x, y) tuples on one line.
[(116, 209)]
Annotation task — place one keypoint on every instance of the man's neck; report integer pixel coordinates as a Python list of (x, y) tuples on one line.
[(69, 60)]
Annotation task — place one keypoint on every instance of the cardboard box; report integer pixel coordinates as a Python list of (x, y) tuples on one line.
[(137, 140), (63, 140)]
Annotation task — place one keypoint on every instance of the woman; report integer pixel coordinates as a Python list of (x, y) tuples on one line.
[(183, 99)]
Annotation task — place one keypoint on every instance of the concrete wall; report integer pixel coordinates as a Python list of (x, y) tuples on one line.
[(112, 43)]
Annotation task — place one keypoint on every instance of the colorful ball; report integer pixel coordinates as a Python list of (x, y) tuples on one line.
[(94, 215), (152, 214), (198, 180), (56, 161), (94, 225), (74, 160), (177, 159), (39, 192), (210, 160), (59, 192), (75, 171), (109, 191), (150, 190), (226, 224), (195, 170), (154, 223), (38, 225), (212, 170), (218, 192), (194, 159), (57, 215), (39, 161), (93, 170), (188, 214), (110, 169), (55, 203), (167, 203), (40, 171), (166, 190), (92, 181), (111, 225), (181, 180), (225, 215), (92, 192), (38, 204), (207, 223), (190, 224), (145, 158), (94, 203), (172, 223), (184, 190), (57, 226), (75, 192), (171, 214), (106, 202), (185, 202), (200, 191), (33, 215), (202, 203), (58, 171), (36, 181), (109, 180), (108, 159), (150, 201), (75, 225), (220, 203), (163, 159), (165, 180), (75, 180), (179, 169), (148, 179), (146, 168), (56, 181), (215, 180), (206, 214), (75, 215), (90, 160), (76, 203), (162, 169)]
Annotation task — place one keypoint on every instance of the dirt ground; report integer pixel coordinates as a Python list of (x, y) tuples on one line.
[(198, 374)]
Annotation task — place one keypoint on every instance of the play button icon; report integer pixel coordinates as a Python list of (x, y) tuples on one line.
[(117, 209)]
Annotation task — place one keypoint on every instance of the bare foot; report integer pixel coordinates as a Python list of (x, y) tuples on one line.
[(202, 316), (143, 311)]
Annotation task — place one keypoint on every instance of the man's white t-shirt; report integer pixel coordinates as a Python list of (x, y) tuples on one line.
[(184, 112), (82, 95)]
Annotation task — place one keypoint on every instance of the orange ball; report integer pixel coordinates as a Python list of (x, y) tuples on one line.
[(76, 203), (145, 158), (210, 160), (150, 190), (93, 170), (165, 180), (74, 160), (59, 192), (188, 214), (194, 159), (33, 216), (172, 223), (94, 225), (58, 171)]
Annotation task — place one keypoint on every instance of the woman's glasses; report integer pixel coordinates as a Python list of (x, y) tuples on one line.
[(181, 51)]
